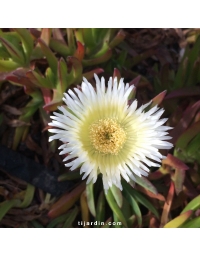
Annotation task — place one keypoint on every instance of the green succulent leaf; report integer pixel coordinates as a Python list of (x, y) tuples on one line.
[(146, 184), (117, 195), (71, 218), (115, 208), (135, 207), (131, 220), (116, 221), (71, 40), (178, 221), (52, 60), (60, 47), (100, 211), (75, 75), (140, 198), (62, 75), (58, 220), (192, 205), (103, 58), (188, 135), (88, 37), (117, 39), (27, 42), (195, 223), (38, 80), (29, 194), (4, 54), (15, 52), (8, 65), (98, 34), (90, 198), (7, 205), (126, 208), (105, 47), (194, 145)]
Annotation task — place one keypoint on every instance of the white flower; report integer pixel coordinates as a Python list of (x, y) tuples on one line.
[(102, 134)]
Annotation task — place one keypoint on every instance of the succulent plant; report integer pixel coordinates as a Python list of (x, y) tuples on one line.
[(22, 51), (42, 64)]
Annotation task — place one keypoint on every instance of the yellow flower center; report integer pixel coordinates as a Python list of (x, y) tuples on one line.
[(107, 136)]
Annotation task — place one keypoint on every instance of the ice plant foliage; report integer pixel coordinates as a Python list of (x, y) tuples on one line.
[(101, 133)]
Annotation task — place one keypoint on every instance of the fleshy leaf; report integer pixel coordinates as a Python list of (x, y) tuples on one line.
[(62, 75), (158, 99), (188, 135), (131, 220), (117, 39), (27, 42), (178, 221), (140, 198), (195, 223), (38, 80), (66, 201), (7, 205), (146, 184), (103, 58), (167, 205), (175, 163), (84, 208), (117, 195), (72, 215), (135, 207), (14, 52), (90, 198), (8, 65), (100, 211), (115, 208), (115, 219), (58, 220), (57, 100), (185, 121), (76, 70), (71, 40), (52, 60), (29, 194), (192, 205), (150, 194), (60, 47)]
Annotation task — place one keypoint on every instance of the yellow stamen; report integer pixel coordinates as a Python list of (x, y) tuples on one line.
[(107, 136)]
